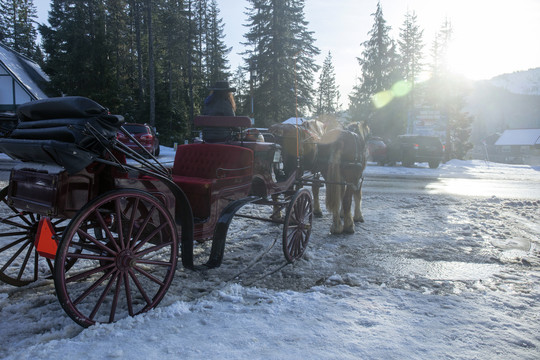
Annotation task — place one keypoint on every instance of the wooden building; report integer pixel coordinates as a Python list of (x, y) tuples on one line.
[(21, 80)]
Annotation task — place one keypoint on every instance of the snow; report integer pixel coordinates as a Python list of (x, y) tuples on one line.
[(294, 120), (520, 82), (525, 137), (432, 273)]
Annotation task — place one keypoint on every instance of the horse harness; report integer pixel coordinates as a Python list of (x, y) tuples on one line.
[(322, 157), (359, 160)]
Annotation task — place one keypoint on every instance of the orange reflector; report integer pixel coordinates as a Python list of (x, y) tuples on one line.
[(46, 245)]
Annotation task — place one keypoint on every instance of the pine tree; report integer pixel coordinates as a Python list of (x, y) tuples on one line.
[(242, 95), (216, 50), (459, 128), (411, 53), (17, 27), (144, 59), (78, 50), (284, 51), (372, 99), (327, 93), (446, 93), (439, 50), (4, 22), (172, 39)]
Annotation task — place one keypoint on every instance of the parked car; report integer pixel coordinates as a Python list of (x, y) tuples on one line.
[(410, 149), (144, 134), (376, 150)]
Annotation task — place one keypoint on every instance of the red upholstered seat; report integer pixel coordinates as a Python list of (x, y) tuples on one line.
[(206, 171)]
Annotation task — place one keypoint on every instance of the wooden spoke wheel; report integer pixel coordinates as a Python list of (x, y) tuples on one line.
[(297, 225), (126, 246), (20, 263)]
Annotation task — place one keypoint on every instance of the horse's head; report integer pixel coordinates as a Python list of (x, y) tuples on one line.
[(314, 129), (360, 128), (281, 130), (302, 139)]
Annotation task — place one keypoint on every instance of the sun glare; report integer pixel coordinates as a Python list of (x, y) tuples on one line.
[(399, 89), (484, 42)]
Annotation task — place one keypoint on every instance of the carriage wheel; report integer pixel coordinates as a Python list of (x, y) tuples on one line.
[(297, 225), (126, 245), (20, 263)]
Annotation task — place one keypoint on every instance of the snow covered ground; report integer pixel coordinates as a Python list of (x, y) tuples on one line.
[(449, 271)]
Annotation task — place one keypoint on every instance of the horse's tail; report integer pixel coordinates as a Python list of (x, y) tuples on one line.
[(334, 189)]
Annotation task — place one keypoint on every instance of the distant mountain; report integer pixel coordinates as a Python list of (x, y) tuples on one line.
[(509, 101), (519, 82)]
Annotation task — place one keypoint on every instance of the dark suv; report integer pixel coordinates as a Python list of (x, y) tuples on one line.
[(144, 134), (410, 149)]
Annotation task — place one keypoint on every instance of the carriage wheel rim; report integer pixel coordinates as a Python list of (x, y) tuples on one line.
[(125, 274), (297, 225)]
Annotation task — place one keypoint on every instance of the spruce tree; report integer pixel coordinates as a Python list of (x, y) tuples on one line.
[(17, 27), (459, 129), (372, 99), (242, 95), (171, 40), (411, 53), (216, 50), (446, 93), (116, 51), (327, 93), (4, 22), (78, 50), (283, 49)]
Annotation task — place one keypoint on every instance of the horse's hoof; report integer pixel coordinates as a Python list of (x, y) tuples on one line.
[(276, 217), (359, 219), (335, 231), (317, 213), (348, 231)]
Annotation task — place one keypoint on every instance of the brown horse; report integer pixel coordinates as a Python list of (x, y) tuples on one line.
[(309, 134), (344, 151), (301, 140), (339, 155)]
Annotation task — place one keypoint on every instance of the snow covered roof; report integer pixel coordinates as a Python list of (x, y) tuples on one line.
[(293, 120), (519, 137), (26, 72)]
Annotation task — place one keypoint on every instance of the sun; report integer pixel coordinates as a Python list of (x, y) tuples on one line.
[(485, 43)]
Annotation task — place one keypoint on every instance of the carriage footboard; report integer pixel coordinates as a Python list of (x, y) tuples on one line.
[(220, 235)]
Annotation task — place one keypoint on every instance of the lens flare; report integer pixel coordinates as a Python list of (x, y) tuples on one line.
[(383, 98), (401, 88)]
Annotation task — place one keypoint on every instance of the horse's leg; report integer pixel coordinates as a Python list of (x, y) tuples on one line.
[(348, 223), (276, 212), (334, 189), (316, 202), (337, 211), (358, 205), (337, 225)]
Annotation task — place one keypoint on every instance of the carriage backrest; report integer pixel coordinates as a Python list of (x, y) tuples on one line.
[(222, 121), (212, 161)]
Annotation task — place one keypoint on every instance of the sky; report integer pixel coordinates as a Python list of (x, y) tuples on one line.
[(491, 37)]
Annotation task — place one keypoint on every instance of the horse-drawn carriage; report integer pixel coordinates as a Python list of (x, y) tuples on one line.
[(108, 224)]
